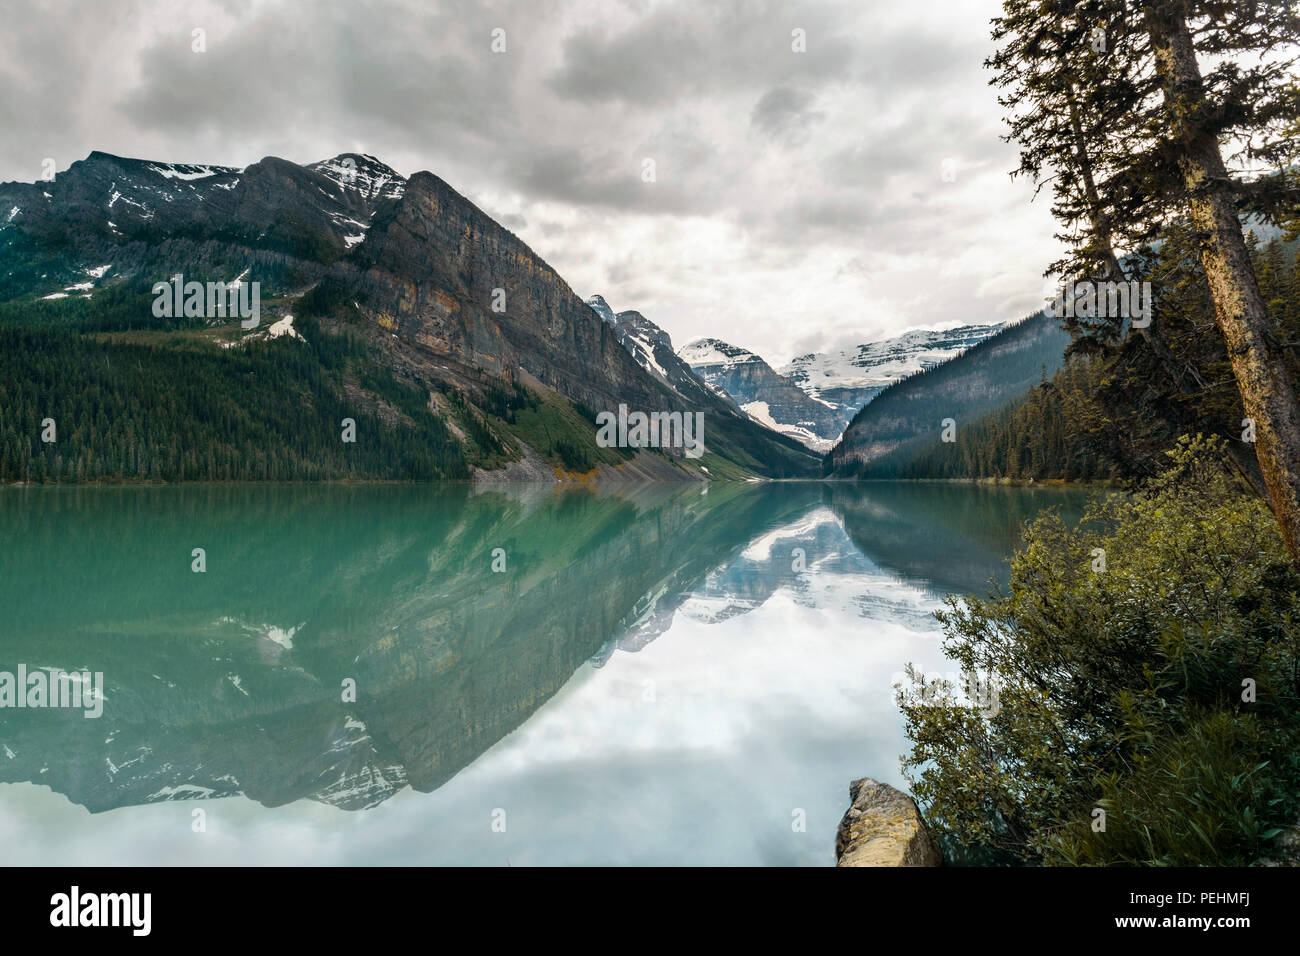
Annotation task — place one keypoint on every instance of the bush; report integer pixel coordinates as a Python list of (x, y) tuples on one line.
[(1125, 689)]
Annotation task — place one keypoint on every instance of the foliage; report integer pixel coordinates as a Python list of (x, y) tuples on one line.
[(1122, 688), (269, 410), (1035, 437), (553, 427), (1158, 114), (122, 306), (1085, 93)]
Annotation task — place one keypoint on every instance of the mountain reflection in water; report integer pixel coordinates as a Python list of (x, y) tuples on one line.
[(660, 674)]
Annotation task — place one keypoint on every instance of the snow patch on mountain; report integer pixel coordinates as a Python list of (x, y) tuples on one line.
[(362, 173), (714, 352), (766, 396), (759, 412), (283, 327), (641, 337), (643, 347), (187, 172), (602, 309)]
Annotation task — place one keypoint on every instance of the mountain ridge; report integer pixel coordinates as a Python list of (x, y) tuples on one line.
[(835, 385)]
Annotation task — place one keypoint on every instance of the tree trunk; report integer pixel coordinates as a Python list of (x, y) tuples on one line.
[(1258, 361), (1178, 372)]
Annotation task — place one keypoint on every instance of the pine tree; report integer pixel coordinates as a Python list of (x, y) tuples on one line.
[(1125, 82)]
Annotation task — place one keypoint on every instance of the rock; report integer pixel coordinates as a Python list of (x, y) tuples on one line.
[(1286, 849), (883, 827), (652, 348), (532, 467)]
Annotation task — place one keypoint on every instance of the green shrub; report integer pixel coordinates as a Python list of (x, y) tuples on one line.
[(1125, 689)]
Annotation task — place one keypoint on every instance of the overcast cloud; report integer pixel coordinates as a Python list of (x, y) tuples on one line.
[(799, 200)]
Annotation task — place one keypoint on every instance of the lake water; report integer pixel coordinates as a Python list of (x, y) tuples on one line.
[(660, 675)]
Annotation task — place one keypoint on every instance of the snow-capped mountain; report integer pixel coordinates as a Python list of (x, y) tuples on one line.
[(364, 174), (814, 397), (653, 350), (767, 397), (113, 210), (848, 379)]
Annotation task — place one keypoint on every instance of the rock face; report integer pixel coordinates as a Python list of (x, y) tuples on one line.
[(767, 397), (432, 266), (652, 349), (883, 827), (1286, 849)]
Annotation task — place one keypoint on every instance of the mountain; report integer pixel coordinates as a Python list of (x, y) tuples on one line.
[(394, 302), (358, 173), (910, 414), (765, 395), (850, 379), (143, 217), (652, 348), (815, 396), (1040, 435)]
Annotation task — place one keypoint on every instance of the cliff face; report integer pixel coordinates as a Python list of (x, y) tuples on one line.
[(445, 280), (430, 270)]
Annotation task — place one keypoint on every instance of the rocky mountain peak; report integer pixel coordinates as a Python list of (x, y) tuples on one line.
[(362, 173), (711, 351), (766, 396), (603, 309)]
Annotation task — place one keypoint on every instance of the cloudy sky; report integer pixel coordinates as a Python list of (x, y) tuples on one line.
[(799, 199)]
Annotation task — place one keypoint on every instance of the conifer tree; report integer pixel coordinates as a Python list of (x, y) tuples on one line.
[(1111, 104)]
